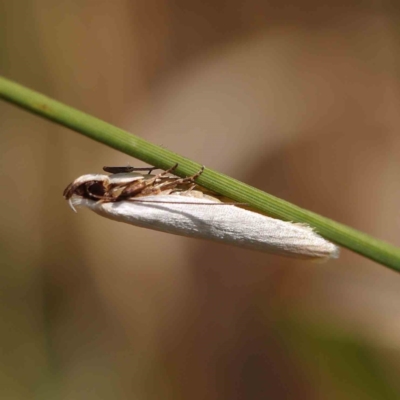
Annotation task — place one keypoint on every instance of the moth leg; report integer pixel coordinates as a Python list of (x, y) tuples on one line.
[(180, 181), (150, 187), (171, 184), (166, 172), (144, 186), (197, 174), (152, 169), (191, 187)]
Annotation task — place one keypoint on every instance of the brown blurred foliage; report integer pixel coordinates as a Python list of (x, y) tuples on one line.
[(300, 99)]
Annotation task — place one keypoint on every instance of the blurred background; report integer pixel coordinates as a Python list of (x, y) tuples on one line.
[(297, 98)]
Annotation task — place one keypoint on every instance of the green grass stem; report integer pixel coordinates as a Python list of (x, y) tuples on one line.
[(134, 146)]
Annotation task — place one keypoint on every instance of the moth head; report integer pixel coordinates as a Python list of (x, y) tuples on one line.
[(91, 186), (99, 187)]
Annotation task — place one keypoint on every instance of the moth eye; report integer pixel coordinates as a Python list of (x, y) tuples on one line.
[(95, 189)]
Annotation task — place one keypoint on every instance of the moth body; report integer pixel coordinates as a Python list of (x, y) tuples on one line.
[(172, 205)]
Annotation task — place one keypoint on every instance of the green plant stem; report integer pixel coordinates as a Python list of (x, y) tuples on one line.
[(134, 146)]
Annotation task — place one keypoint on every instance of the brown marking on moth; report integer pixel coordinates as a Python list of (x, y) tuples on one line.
[(94, 190), (134, 188), (175, 182), (106, 191), (139, 187), (77, 188), (151, 185)]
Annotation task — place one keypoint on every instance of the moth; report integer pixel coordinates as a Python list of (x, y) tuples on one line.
[(168, 203)]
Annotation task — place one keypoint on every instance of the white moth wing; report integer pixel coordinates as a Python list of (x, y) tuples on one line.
[(224, 223)]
